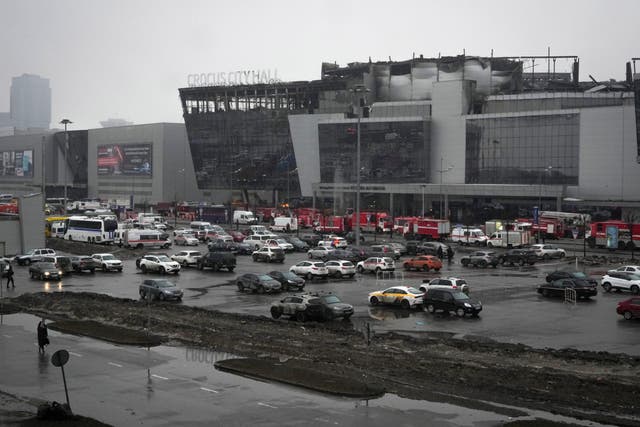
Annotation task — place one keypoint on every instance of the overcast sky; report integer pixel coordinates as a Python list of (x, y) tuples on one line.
[(127, 59)]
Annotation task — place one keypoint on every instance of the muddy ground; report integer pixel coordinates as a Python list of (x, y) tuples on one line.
[(597, 386)]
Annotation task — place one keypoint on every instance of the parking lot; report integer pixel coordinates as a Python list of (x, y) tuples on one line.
[(513, 311)]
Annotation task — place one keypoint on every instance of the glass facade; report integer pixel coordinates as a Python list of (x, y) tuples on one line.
[(243, 150), (390, 152), (517, 150)]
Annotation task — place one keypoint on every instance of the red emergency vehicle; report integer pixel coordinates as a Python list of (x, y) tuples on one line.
[(401, 224), (307, 216), (627, 239), (550, 228), (330, 224), (371, 221), (428, 228)]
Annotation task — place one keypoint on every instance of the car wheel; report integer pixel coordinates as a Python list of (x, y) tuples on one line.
[(503, 261), (309, 276), (184, 263), (521, 262), (545, 293), (301, 317), (143, 268), (545, 257), (161, 296), (92, 271), (163, 271), (276, 312), (139, 246), (405, 304), (378, 270), (482, 264), (27, 262), (260, 289), (240, 286), (374, 301), (431, 308), (460, 312), (104, 268), (635, 290), (465, 262), (628, 315), (360, 269), (606, 286), (489, 244), (338, 274), (255, 258), (562, 254), (425, 268), (141, 294)]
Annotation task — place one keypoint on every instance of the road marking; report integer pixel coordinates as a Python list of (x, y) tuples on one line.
[(7, 336), (158, 376), (267, 405), (115, 364), (75, 354), (209, 390)]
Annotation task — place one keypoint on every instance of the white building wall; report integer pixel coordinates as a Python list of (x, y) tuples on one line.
[(608, 154)]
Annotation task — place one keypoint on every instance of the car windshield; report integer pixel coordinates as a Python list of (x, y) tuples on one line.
[(296, 241), (281, 241), (165, 284), (163, 258), (265, 277), (460, 296), (108, 257), (413, 291), (331, 299), (47, 265)]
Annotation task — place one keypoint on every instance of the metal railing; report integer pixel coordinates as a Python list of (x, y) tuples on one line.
[(570, 296)]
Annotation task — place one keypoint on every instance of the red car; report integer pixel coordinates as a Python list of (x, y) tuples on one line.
[(629, 308), (237, 236)]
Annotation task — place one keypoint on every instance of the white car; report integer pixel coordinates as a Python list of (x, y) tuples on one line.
[(340, 268), (628, 269), (334, 242), (108, 262), (621, 280), (159, 263), (320, 252), (179, 231), (186, 239), (376, 264), (186, 258), (310, 269), (445, 283), (546, 251), (280, 243)]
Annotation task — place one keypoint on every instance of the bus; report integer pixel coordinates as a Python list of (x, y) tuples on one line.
[(93, 230), (55, 226)]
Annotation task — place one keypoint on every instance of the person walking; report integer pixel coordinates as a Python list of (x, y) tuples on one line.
[(440, 252), (10, 277), (43, 335)]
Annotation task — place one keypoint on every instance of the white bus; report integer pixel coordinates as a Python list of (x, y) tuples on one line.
[(88, 229), (141, 238)]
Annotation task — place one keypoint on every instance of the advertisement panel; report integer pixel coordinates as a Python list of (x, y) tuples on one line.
[(125, 159), (612, 237), (16, 163)]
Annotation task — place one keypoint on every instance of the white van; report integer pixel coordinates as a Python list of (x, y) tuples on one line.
[(468, 236), (141, 238), (244, 217), (284, 223), (200, 228)]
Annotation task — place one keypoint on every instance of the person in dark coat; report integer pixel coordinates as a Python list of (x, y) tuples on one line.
[(449, 253), (43, 335), (10, 277), (440, 252)]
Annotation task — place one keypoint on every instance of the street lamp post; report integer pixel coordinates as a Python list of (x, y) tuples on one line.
[(545, 169), (423, 187), (65, 122), (356, 90), (442, 171)]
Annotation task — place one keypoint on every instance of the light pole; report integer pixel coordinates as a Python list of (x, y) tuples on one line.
[(361, 102), (65, 122), (441, 171), (423, 187), (545, 169), (44, 197)]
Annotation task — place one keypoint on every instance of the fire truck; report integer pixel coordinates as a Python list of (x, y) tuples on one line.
[(549, 228), (428, 228), (330, 224), (614, 234), (307, 216), (401, 224), (371, 221)]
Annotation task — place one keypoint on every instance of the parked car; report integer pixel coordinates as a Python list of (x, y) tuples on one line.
[(310, 269), (227, 246), (423, 263), (319, 252), (546, 251), (433, 248), (44, 271), (628, 268), (333, 242), (288, 280), (161, 289), (33, 255), (351, 237), (557, 288), (481, 259), (186, 239), (375, 265), (187, 258), (217, 260), (62, 263), (258, 240), (158, 264), (108, 262), (298, 245), (399, 247), (312, 306), (341, 268), (259, 283), (84, 263), (342, 254), (311, 239), (412, 246), (280, 243), (404, 296), (385, 251), (451, 300), (453, 283), (629, 308), (518, 256), (269, 254), (237, 236), (621, 280), (559, 274)]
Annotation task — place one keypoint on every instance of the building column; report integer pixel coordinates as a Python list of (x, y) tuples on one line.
[(391, 204), (559, 204)]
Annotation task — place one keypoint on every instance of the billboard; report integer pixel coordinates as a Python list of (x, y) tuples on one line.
[(125, 159), (16, 163)]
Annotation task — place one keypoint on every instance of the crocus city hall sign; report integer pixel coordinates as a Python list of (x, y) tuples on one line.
[(233, 78)]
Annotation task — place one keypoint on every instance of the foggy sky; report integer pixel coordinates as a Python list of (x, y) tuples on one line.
[(127, 58)]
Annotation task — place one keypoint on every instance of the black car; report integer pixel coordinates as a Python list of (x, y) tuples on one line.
[(298, 245), (481, 259), (558, 288), (351, 237), (412, 246), (434, 248), (259, 283), (450, 300), (219, 245), (44, 271), (579, 275), (161, 289), (288, 280), (311, 239), (312, 306), (84, 263), (518, 256)]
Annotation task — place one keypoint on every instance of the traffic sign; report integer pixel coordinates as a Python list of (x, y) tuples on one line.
[(60, 358)]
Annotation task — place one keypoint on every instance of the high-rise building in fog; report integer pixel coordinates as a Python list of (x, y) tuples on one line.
[(30, 102)]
